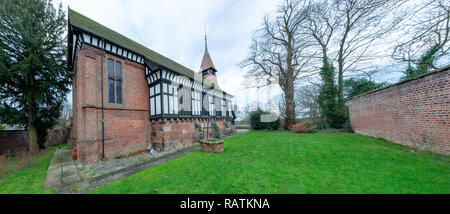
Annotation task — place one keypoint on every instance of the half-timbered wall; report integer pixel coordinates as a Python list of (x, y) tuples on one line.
[(173, 96)]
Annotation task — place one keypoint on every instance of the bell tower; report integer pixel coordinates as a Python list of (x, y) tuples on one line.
[(207, 67)]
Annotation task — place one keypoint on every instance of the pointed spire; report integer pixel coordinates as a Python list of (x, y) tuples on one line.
[(208, 66), (206, 61), (206, 41)]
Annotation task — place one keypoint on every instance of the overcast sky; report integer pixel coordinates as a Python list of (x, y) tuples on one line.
[(175, 28)]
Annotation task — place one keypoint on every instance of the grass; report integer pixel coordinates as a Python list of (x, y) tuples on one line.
[(25, 174), (283, 162)]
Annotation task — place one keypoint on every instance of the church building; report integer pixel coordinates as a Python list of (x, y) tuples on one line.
[(128, 99)]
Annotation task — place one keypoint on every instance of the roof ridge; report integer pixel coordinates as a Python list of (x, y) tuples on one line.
[(71, 12)]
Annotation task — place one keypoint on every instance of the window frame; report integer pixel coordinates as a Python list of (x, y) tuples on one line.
[(223, 107), (115, 78), (196, 102), (156, 97), (211, 104), (169, 95)]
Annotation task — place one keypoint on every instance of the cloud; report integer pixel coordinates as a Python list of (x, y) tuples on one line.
[(175, 28)]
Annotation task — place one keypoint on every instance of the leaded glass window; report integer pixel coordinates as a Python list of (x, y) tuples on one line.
[(114, 82)]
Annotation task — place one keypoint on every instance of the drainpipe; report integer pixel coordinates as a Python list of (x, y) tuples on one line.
[(103, 107)]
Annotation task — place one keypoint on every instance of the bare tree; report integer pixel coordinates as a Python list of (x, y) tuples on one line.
[(307, 102), (426, 28), (321, 26), (349, 28), (280, 54), (364, 21)]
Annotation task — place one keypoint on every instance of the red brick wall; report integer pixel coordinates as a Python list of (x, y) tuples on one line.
[(221, 125), (13, 142), (170, 134), (126, 125), (414, 113), (56, 135)]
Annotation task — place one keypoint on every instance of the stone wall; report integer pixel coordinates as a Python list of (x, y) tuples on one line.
[(413, 113), (13, 142)]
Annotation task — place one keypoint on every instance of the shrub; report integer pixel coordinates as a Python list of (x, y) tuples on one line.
[(303, 127), (348, 127), (242, 126), (256, 124)]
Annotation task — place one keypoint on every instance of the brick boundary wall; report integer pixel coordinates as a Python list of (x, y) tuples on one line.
[(56, 136), (13, 142), (414, 113)]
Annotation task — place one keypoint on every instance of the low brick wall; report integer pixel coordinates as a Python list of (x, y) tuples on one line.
[(413, 113), (13, 142), (57, 136), (213, 148), (170, 134)]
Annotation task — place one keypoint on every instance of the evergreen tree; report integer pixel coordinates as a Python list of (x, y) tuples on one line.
[(256, 124), (409, 72), (33, 76), (328, 96), (357, 86), (424, 65)]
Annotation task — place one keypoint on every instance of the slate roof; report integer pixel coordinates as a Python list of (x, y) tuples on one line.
[(207, 62)]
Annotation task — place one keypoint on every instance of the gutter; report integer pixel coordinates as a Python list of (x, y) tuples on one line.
[(103, 107)]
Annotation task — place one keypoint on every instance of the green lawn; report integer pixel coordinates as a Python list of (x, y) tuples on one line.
[(283, 162), (26, 174)]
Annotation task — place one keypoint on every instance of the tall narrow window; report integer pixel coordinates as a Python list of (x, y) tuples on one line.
[(119, 82), (158, 104), (152, 100), (170, 100), (152, 106), (230, 106), (175, 100), (166, 104), (114, 82), (195, 103), (111, 94), (223, 108), (217, 105), (158, 99), (211, 105)]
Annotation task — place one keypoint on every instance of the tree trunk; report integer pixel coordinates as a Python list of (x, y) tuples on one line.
[(32, 132), (290, 105)]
